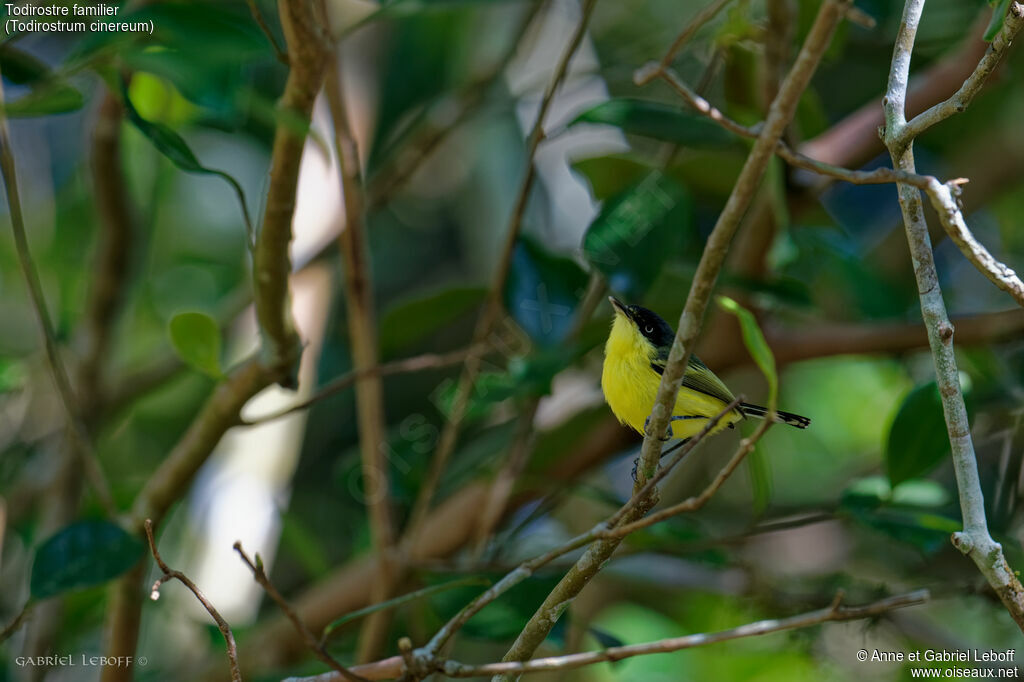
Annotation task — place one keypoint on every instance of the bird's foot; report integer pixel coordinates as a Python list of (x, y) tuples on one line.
[(636, 468), (668, 434)]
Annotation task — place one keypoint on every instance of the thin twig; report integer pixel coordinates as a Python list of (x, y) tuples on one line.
[(712, 259), (975, 540), (492, 307), (362, 331), (260, 576), (834, 612), (963, 97), (76, 430), (17, 622), (257, 15), (527, 568), (383, 184), (694, 503), (417, 363), (222, 625), (702, 17)]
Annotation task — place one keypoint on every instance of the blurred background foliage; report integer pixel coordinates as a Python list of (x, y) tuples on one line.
[(440, 94)]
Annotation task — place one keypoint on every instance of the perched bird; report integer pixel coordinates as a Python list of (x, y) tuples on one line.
[(634, 359)]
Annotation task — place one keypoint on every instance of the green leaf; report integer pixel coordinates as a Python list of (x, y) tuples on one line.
[(174, 147), (917, 439), (398, 601), (542, 292), (81, 555), (412, 320), (51, 98), (658, 121), (637, 231), (995, 25), (20, 67), (196, 339), (756, 345)]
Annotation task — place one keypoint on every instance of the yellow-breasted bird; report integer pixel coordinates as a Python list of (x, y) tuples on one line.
[(634, 359)]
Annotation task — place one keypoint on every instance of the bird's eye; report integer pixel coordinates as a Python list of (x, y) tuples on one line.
[(648, 329)]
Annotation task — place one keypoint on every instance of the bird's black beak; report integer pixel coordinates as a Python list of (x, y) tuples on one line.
[(619, 306)]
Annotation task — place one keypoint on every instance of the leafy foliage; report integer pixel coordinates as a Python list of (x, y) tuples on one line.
[(81, 555)]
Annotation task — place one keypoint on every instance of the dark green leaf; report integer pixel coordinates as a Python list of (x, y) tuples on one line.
[(756, 345), (404, 599), (917, 440), (659, 121), (636, 232), (20, 67), (542, 292), (171, 145), (410, 321), (51, 98), (196, 338), (82, 555)]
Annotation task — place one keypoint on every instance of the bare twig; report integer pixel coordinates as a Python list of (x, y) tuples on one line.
[(834, 612), (701, 18), (963, 97), (694, 503), (941, 195), (257, 15), (975, 540), (492, 307), (169, 574), (260, 576), (362, 329), (944, 198), (418, 363), (76, 430), (17, 621)]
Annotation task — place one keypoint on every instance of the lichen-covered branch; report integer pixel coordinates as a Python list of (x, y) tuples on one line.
[(975, 540)]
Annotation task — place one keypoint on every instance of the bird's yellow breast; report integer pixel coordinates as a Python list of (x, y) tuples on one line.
[(630, 385)]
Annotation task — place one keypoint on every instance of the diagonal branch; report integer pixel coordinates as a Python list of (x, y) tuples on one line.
[(260, 576), (963, 97), (170, 574), (362, 329)]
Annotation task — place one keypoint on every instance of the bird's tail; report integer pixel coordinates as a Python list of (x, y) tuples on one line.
[(780, 416)]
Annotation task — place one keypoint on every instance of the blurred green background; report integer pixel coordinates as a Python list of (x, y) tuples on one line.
[(441, 95)]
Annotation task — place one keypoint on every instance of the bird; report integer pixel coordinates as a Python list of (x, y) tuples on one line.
[(634, 360)]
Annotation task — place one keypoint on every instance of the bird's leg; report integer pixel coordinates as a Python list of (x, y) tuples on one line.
[(647, 430)]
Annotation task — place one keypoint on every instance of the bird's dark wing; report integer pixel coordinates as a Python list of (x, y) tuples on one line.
[(698, 377)]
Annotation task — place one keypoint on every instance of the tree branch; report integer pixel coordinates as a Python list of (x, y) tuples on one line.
[(974, 540), (272, 264), (712, 258), (835, 612), (222, 625), (260, 576), (362, 331), (963, 97)]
